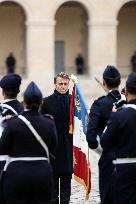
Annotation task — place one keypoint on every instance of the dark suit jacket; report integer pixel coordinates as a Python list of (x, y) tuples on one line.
[(58, 105)]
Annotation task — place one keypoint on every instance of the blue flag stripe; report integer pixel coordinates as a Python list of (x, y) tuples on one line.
[(81, 107)]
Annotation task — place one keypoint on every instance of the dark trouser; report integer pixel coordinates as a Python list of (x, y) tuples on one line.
[(80, 69), (125, 184), (2, 201), (11, 69), (65, 188), (28, 182), (106, 169)]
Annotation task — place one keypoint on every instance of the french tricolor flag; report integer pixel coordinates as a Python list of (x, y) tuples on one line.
[(78, 126)]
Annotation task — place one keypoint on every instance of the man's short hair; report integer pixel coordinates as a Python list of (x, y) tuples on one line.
[(131, 83), (61, 75), (112, 83), (11, 92), (111, 76)]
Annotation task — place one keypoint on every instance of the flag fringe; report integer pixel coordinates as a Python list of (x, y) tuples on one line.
[(81, 181), (71, 129)]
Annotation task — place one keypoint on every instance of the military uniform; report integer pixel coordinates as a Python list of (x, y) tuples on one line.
[(98, 117), (28, 179), (17, 106), (120, 138), (8, 82), (58, 105)]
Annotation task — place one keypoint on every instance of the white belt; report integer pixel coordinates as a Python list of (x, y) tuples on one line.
[(3, 157), (12, 159), (124, 161)]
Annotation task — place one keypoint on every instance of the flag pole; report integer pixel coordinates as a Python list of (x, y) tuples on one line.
[(77, 148), (59, 190)]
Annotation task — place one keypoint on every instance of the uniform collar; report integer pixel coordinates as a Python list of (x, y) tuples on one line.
[(58, 93), (133, 101), (30, 112), (8, 100), (115, 91)]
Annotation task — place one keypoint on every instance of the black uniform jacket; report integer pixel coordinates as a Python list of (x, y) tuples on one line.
[(58, 105), (16, 105), (18, 141), (98, 117), (120, 135)]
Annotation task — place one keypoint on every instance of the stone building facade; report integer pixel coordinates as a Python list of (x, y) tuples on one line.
[(47, 35)]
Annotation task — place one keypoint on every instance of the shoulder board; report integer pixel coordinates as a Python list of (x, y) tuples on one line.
[(101, 98), (49, 116)]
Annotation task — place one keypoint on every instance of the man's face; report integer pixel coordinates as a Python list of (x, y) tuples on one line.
[(62, 85)]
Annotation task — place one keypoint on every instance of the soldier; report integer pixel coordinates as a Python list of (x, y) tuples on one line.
[(10, 85), (133, 62), (79, 61), (120, 137), (58, 105), (10, 63), (28, 171), (98, 117)]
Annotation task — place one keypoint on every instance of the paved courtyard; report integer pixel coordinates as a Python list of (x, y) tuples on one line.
[(78, 193)]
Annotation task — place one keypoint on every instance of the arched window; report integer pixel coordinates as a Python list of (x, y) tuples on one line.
[(71, 37), (12, 35), (126, 36)]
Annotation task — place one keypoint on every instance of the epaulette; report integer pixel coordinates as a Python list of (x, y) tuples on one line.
[(98, 100), (49, 116)]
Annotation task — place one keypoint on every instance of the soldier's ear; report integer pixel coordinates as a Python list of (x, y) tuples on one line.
[(2, 92), (104, 83), (126, 92), (24, 104)]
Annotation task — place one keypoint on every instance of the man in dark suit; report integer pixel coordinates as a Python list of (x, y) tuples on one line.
[(120, 138), (58, 105), (10, 85), (98, 117)]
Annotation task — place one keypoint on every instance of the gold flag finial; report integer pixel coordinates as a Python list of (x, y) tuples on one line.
[(74, 78)]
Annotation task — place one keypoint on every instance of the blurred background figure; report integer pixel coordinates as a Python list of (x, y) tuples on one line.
[(79, 61), (133, 62), (10, 63)]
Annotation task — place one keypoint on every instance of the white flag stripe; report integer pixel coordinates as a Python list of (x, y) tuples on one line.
[(79, 138)]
